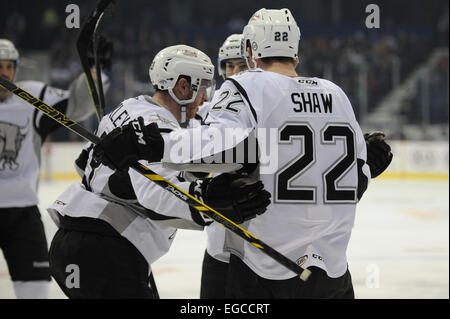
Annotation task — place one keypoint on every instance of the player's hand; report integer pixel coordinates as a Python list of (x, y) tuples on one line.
[(127, 144), (237, 197), (379, 154)]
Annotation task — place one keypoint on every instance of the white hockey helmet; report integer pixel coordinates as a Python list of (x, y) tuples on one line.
[(8, 51), (271, 33), (230, 49), (174, 61)]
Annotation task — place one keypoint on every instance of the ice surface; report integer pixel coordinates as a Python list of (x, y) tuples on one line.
[(399, 246)]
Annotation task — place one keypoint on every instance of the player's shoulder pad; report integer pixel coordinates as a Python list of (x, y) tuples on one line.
[(151, 112), (33, 87), (323, 83), (247, 74), (243, 83)]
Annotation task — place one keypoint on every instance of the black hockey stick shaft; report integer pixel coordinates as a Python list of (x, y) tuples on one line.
[(104, 16), (161, 181), (84, 40), (98, 73)]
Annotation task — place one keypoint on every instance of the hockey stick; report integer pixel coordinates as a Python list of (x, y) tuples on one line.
[(161, 181), (91, 32), (95, 43)]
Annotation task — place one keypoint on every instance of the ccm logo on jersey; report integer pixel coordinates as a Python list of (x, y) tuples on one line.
[(305, 81)]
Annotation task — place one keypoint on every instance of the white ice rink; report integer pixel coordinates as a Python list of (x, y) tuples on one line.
[(399, 246)]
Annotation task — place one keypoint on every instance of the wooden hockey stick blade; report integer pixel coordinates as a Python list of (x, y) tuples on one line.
[(161, 181)]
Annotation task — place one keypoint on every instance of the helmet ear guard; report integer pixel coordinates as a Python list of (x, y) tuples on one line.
[(244, 46)]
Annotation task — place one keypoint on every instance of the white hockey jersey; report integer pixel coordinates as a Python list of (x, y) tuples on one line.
[(316, 170), (138, 209), (22, 132)]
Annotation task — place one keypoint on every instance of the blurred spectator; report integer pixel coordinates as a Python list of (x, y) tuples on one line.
[(344, 52)]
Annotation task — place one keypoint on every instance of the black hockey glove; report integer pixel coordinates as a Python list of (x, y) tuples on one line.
[(235, 196), (379, 154), (127, 144)]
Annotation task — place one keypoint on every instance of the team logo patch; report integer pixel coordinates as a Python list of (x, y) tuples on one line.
[(301, 261), (254, 46), (11, 137)]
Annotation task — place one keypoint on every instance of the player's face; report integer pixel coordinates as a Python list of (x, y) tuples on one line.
[(7, 71), (233, 66)]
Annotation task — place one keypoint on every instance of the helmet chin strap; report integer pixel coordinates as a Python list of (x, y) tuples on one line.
[(183, 113), (182, 102), (183, 105)]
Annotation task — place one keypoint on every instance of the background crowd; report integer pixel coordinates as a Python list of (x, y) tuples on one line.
[(336, 44)]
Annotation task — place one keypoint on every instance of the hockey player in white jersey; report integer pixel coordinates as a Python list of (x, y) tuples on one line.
[(322, 168), (23, 130), (321, 171), (138, 217), (215, 269)]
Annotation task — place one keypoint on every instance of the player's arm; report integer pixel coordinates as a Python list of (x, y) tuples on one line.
[(76, 103), (119, 185), (237, 197), (137, 139), (374, 151), (229, 122), (363, 168), (80, 104)]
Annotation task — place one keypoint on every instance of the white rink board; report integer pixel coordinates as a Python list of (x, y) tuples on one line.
[(401, 234), (410, 157)]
